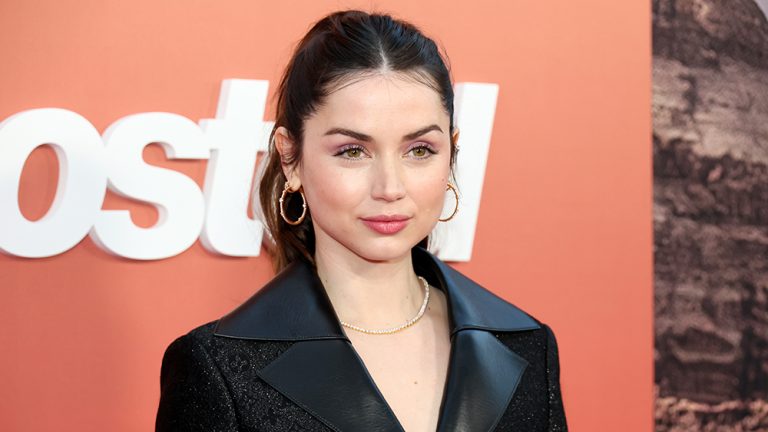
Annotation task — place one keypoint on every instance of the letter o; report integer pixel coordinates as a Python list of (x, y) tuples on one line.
[(81, 187)]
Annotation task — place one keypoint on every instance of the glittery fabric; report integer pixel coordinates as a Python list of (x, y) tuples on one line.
[(537, 404), (209, 383)]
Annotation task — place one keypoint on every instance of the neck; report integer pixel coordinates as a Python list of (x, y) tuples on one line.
[(369, 294)]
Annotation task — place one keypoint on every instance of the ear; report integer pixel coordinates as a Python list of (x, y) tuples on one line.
[(455, 137), (286, 147)]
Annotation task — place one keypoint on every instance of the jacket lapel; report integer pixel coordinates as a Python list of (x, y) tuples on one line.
[(482, 372), (328, 379), (324, 374)]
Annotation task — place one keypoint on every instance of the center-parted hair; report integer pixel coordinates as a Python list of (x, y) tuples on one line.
[(340, 48)]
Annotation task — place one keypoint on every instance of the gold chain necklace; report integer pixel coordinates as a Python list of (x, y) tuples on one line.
[(408, 323)]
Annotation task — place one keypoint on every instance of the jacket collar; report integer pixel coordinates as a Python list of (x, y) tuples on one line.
[(483, 373), (295, 306)]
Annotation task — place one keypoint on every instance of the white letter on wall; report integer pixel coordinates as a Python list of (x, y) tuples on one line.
[(178, 199), (236, 136), (81, 185), (475, 105)]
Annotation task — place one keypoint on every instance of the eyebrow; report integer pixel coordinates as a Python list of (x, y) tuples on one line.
[(363, 137)]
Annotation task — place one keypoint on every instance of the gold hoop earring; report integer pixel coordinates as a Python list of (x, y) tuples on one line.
[(286, 189), (456, 208)]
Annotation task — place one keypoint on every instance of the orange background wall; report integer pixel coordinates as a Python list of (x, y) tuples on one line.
[(564, 229)]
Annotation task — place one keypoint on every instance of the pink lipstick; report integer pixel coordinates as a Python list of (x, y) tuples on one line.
[(386, 224)]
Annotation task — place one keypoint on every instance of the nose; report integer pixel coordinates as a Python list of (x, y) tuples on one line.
[(388, 182)]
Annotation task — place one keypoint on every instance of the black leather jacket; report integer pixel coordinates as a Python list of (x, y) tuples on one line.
[(281, 362)]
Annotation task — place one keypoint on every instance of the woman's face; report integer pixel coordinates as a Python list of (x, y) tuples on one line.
[(374, 167)]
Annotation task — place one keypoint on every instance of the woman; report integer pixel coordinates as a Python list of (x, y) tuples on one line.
[(363, 329)]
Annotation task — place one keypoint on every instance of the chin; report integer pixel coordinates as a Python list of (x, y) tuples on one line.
[(386, 249)]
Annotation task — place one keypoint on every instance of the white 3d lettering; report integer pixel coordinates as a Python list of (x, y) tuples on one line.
[(90, 163)]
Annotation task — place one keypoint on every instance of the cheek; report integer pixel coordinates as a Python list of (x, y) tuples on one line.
[(428, 191), (330, 191)]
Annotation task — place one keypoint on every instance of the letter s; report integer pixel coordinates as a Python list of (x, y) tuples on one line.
[(178, 198)]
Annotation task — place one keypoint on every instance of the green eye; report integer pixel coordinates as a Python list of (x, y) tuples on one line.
[(353, 152), (422, 152)]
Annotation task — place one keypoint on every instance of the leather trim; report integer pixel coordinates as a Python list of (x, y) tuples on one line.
[(471, 305), (292, 306), (295, 306), (483, 375), (324, 374)]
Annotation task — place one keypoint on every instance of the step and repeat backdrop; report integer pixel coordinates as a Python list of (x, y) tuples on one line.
[(132, 132)]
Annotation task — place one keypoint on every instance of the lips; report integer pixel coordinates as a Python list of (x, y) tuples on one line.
[(386, 224)]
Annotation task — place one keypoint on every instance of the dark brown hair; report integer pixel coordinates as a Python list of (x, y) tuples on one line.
[(341, 46)]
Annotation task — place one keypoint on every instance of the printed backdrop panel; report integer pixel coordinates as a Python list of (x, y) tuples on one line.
[(563, 225)]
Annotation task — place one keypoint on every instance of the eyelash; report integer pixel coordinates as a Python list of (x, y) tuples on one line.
[(345, 149), (429, 149)]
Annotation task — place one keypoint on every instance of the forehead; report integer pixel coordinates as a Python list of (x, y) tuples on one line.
[(383, 101)]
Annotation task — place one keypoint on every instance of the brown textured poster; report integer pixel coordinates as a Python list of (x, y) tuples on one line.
[(710, 214)]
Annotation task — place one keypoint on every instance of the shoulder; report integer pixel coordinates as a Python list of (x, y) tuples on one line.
[(522, 324), (188, 365), (473, 304), (201, 347), (189, 350), (202, 333), (512, 324), (198, 337)]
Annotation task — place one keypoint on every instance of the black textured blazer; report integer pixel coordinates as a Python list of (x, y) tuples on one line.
[(281, 362)]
